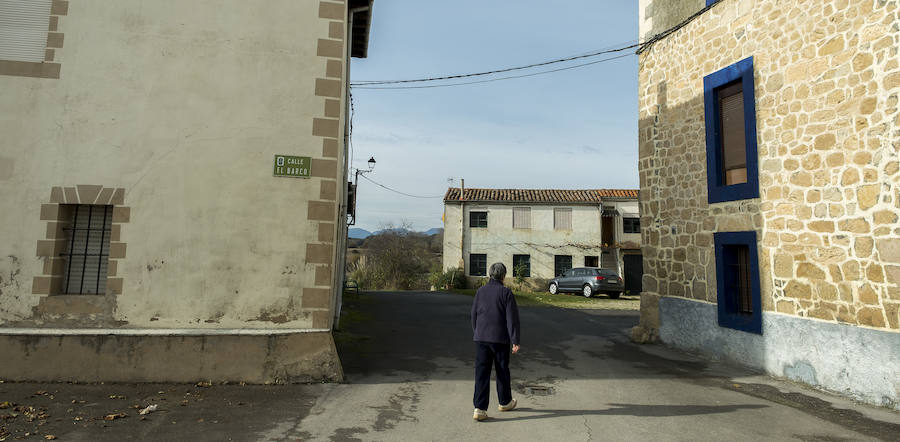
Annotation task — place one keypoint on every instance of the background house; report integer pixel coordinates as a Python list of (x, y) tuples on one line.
[(172, 187), (769, 183), (544, 232)]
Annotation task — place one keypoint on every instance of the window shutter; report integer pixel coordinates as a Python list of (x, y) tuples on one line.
[(521, 217), (23, 29), (562, 219), (734, 152)]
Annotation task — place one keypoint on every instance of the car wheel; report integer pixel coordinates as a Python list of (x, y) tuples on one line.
[(614, 295), (587, 291), (554, 289)]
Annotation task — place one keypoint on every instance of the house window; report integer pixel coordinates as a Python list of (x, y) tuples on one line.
[(521, 217), (631, 225), (561, 264), (522, 265), (731, 156), (23, 35), (592, 261), (737, 279), (87, 249), (28, 37), (562, 219), (477, 219), (477, 264)]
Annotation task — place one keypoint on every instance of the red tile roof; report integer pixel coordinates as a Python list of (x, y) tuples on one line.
[(538, 195)]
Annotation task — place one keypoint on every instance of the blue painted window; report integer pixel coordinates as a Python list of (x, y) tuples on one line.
[(709, 2), (737, 281), (732, 170)]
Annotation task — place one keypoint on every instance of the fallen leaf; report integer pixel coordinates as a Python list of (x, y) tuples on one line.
[(114, 416), (5, 404), (49, 437), (204, 384)]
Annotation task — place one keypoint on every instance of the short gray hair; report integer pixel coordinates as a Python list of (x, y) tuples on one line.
[(498, 271)]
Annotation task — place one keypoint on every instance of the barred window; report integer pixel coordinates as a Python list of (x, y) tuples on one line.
[(522, 266), (477, 264), (562, 219), (478, 219), (521, 217), (87, 249)]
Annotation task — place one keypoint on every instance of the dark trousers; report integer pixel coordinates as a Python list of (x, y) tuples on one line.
[(487, 354)]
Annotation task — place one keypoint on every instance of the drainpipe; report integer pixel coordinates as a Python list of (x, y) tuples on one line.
[(462, 224)]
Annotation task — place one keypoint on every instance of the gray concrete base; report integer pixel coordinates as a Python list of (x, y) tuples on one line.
[(854, 361), (132, 356)]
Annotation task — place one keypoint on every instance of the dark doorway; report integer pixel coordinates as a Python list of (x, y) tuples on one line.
[(634, 272)]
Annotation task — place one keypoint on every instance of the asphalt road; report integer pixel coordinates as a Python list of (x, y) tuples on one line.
[(408, 364)]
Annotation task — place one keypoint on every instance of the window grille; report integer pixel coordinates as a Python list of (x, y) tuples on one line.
[(478, 264), (562, 264), (478, 219), (522, 266), (562, 219), (23, 29), (87, 249), (521, 217), (737, 281)]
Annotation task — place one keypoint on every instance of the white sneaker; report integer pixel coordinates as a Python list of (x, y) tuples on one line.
[(511, 405), (479, 414)]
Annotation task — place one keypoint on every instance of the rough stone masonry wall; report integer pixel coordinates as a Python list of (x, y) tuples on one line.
[(828, 128)]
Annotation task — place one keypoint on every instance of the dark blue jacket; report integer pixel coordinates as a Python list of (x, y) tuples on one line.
[(495, 315)]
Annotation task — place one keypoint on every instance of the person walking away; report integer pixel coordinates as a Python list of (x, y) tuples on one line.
[(495, 325)]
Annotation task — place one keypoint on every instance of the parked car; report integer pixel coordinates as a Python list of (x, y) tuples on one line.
[(588, 281)]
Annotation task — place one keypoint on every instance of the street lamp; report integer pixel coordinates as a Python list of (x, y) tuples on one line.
[(351, 192)]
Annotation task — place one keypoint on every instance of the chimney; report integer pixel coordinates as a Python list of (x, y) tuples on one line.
[(462, 189)]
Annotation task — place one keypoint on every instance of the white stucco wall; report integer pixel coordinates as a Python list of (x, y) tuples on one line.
[(500, 241), (184, 105)]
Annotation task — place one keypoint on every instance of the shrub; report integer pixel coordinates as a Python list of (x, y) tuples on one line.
[(451, 279)]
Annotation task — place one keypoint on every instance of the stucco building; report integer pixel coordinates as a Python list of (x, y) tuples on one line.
[(770, 187), (542, 231), (172, 187)]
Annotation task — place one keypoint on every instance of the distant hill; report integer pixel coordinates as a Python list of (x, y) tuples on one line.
[(358, 233)]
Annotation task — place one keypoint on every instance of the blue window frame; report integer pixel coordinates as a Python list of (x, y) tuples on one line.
[(709, 2), (737, 281), (732, 169)]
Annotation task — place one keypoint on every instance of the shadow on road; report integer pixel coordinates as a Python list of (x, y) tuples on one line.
[(631, 410), (429, 334)]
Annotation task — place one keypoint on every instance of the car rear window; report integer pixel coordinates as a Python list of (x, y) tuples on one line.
[(604, 272)]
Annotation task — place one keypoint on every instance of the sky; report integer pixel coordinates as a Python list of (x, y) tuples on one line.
[(574, 129)]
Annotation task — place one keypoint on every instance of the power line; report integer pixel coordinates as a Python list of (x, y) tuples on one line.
[(397, 191), (496, 71), (494, 79)]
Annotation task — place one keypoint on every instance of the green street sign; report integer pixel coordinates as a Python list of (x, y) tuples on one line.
[(291, 166)]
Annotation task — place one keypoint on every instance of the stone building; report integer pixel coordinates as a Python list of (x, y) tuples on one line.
[(172, 187), (544, 232), (769, 140)]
